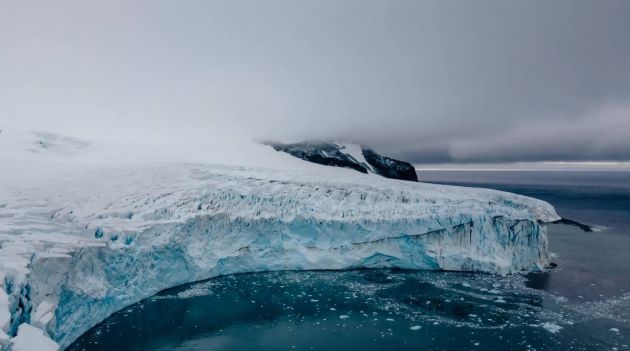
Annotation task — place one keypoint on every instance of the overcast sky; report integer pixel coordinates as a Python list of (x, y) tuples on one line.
[(428, 81)]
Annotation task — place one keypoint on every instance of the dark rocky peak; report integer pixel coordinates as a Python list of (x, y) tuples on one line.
[(353, 156)]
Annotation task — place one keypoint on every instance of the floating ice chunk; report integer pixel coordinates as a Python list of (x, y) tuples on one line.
[(415, 327), (598, 228), (551, 327), (343, 316)]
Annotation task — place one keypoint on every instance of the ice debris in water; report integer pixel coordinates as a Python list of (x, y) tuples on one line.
[(551, 327)]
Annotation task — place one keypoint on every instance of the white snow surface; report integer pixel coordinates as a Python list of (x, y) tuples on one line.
[(30, 338), (356, 152), (89, 230)]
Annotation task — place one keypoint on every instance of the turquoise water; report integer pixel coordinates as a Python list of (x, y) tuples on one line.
[(582, 304)]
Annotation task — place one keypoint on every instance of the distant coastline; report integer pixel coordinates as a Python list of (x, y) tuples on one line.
[(589, 166)]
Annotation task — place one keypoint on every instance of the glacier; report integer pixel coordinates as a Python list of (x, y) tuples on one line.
[(81, 240)]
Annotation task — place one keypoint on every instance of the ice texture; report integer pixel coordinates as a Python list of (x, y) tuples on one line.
[(80, 243), (30, 338)]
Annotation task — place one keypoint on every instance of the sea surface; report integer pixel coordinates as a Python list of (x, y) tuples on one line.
[(582, 304)]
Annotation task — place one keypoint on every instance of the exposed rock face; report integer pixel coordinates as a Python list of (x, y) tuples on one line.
[(389, 167), (352, 156), (323, 153)]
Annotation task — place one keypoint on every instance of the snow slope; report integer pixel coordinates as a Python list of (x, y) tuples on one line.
[(82, 237)]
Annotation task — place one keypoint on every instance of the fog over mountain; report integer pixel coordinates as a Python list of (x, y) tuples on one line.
[(426, 81)]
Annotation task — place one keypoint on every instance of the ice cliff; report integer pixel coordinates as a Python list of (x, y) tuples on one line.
[(79, 241)]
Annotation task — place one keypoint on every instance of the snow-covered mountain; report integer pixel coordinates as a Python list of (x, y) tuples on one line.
[(87, 231), (353, 156)]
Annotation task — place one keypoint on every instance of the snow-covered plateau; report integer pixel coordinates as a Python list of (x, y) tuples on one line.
[(81, 239)]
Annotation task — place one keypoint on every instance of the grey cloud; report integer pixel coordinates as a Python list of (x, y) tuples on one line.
[(431, 81), (602, 134)]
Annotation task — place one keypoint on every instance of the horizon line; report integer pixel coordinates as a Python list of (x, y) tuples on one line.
[(528, 166)]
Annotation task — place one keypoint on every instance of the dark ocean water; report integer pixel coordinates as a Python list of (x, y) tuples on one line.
[(594, 197), (582, 304)]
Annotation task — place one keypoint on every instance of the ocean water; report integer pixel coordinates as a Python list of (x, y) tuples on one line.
[(582, 304)]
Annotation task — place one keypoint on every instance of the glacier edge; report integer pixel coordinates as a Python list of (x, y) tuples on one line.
[(116, 243), (101, 281)]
